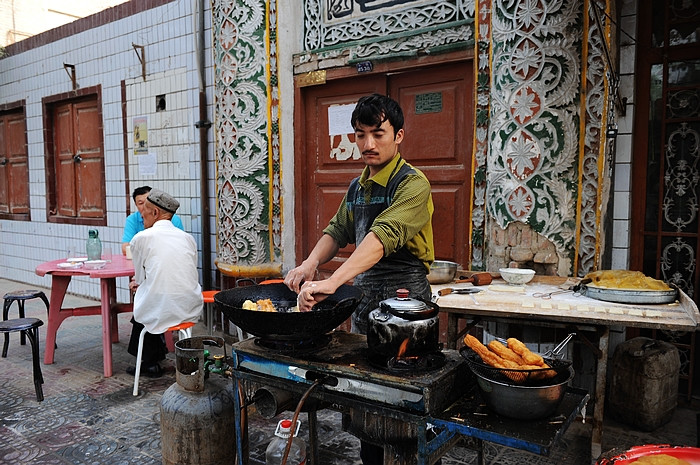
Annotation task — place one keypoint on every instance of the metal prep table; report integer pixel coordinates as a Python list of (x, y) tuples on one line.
[(516, 304), (405, 397)]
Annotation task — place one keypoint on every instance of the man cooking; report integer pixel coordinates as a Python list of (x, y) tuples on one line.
[(387, 214)]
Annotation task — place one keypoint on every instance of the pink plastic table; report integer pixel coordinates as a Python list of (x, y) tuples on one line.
[(108, 308)]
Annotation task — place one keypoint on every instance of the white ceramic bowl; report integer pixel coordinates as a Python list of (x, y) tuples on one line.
[(95, 264), (517, 275)]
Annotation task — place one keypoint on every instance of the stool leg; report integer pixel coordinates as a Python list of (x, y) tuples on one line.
[(22, 337), (42, 296), (138, 363), (5, 312), (210, 321), (33, 336), (6, 309)]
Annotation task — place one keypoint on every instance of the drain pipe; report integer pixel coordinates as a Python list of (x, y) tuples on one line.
[(203, 124)]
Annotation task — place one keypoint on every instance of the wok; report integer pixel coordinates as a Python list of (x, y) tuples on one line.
[(285, 324)]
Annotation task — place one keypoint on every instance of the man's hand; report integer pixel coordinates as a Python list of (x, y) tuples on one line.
[(299, 275), (313, 292), (133, 285), (325, 249)]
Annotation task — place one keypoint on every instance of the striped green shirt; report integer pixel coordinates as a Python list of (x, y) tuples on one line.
[(407, 220)]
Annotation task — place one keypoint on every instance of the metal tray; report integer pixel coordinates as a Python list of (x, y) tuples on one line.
[(630, 296)]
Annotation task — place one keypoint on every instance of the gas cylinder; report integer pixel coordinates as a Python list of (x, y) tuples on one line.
[(275, 450), (197, 412)]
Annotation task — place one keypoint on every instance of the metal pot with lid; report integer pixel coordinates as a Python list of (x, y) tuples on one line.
[(405, 321)]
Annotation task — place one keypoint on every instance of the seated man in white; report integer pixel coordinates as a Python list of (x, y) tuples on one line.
[(165, 282)]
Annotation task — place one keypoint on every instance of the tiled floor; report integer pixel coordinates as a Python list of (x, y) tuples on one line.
[(87, 419)]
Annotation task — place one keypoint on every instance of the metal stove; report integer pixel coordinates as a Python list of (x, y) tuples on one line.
[(445, 398), (345, 366)]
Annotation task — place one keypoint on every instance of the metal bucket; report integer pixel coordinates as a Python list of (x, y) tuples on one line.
[(189, 360)]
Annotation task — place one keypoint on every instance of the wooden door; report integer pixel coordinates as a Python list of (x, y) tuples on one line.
[(14, 170), (65, 151), (437, 105), (89, 173), (79, 159), (665, 236), (328, 163), (665, 230)]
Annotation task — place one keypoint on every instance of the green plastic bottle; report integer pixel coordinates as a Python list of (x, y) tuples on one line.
[(93, 245)]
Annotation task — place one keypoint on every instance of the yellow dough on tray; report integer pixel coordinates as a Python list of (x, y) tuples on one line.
[(626, 279), (659, 459)]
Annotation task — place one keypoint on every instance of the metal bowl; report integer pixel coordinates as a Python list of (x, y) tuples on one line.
[(442, 271), (524, 402)]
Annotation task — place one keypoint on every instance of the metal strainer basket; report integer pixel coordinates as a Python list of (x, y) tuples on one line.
[(558, 371)]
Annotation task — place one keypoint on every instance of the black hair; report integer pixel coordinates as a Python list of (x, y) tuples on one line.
[(140, 191), (373, 110)]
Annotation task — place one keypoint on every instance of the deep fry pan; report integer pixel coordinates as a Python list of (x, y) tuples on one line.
[(285, 324)]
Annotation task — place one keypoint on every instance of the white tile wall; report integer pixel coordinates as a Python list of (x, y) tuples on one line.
[(623, 156), (620, 259), (621, 208), (622, 177), (621, 235), (166, 33)]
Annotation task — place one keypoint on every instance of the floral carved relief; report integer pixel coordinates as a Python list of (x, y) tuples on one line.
[(532, 174), (247, 137), (481, 141), (593, 147)]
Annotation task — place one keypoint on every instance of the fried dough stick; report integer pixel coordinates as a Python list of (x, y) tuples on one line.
[(528, 356), (509, 355), (534, 361), (490, 358), (505, 352)]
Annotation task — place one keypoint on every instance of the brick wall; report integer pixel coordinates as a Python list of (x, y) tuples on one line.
[(520, 246)]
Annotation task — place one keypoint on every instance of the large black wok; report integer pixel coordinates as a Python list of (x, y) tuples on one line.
[(285, 324)]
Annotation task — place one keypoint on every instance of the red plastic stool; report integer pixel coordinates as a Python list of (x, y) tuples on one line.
[(208, 297)]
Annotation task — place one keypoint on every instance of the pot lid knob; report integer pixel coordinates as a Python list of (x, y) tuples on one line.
[(402, 293)]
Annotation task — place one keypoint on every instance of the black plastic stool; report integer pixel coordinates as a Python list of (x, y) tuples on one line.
[(20, 296), (30, 328)]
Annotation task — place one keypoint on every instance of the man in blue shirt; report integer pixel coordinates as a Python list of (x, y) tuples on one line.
[(134, 222)]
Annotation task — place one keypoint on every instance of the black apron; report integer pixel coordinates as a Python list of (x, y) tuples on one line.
[(399, 270)]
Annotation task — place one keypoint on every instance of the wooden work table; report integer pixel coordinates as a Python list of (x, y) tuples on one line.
[(523, 305)]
